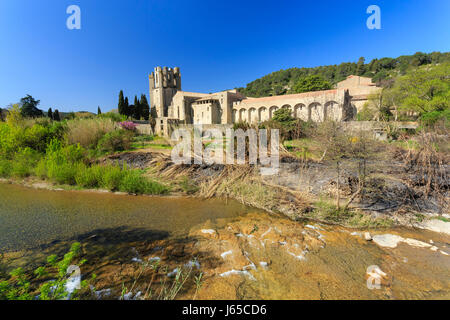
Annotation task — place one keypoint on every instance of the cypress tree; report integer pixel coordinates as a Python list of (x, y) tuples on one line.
[(99, 111), (145, 109), (126, 107), (56, 116), (137, 109), (50, 113), (121, 106)]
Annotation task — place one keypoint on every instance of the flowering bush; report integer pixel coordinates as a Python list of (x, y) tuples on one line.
[(127, 125)]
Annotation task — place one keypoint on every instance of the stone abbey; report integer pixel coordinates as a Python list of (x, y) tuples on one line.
[(170, 105)]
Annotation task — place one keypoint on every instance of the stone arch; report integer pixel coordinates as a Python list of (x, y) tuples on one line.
[(287, 106), (301, 112), (272, 109), (263, 114), (332, 111), (234, 116), (315, 112), (252, 115), (242, 115)]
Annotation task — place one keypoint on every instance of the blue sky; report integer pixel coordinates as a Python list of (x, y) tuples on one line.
[(217, 44)]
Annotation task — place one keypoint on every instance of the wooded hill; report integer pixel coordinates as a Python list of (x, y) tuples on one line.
[(283, 81)]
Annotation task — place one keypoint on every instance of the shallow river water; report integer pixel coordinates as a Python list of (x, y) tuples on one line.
[(243, 253)]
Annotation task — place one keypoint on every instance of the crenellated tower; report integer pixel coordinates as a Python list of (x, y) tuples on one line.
[(164, 84)]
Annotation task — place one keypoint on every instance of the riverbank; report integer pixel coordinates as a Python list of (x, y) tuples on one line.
[(300, 191)]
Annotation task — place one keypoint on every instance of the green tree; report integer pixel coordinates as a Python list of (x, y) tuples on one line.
[(14, 117), (360, 67), (50, 113), (137, 108), (311, 83), (121, 105), (145, 108), (56, 115), (29, 107), (423, 90), (126, 108), (99, 111)]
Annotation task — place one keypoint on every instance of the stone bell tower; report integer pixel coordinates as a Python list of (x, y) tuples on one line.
[(164, 84)]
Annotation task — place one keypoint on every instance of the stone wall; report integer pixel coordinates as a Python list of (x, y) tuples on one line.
[(309, 106)]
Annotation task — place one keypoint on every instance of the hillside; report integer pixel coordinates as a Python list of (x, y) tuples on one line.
[(281, 82)]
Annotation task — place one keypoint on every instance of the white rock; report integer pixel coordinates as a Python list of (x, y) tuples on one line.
[(392, 240), (237, 272), (387, 240), (226, 253), (437, 226), (367, 236)]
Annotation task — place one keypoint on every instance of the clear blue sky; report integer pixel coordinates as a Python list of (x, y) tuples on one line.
[(217, 44)]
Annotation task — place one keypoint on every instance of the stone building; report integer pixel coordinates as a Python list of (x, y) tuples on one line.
[(170, 105), (360, 88)]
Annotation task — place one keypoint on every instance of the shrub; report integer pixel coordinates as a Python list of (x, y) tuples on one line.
[(64, 173), (116, 117), (24, 162), (128, 125), (134, 182), (431, 118), (34, 134), (289, 127), (87, 132), (366, 114), (244, 125), (88, 177), (117, 140), (112, 177), (41, 169), (5, 168)]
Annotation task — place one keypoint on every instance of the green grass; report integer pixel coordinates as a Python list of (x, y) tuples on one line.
[(326, 211), (304, 148), (443, 219), (134, 182)]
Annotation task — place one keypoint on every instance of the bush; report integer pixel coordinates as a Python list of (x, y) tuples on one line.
[(134, 182), (244, 125), (116, 117), (128, 125), (41, 169), (89, 177), (24, 162), (87, 132), (431, 118), (112, 177), (117, 140), (366, 114), (290, 127), (5, 168), (63, 173)]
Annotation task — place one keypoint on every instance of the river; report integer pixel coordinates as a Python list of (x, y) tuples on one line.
[(243, 253)]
